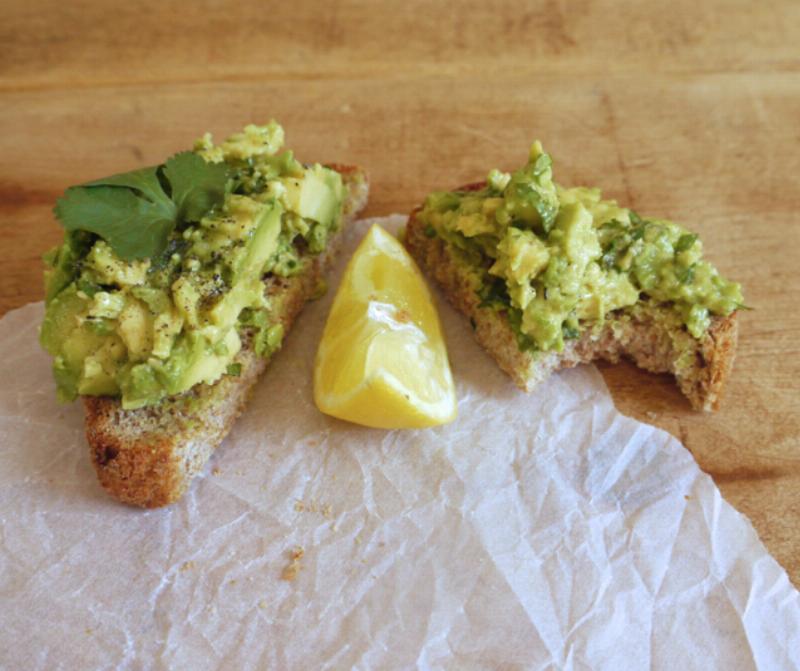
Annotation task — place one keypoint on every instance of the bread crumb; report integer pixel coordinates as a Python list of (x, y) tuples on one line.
[(403, 316), (651, 415), (263, 603), (324, 509), (187, 566), (215, 470), (293, 568), (88, 631), (687, 497)]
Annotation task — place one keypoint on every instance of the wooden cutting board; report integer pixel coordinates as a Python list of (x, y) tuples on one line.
[(687, 110)]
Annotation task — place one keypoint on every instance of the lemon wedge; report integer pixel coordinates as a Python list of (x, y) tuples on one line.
[(382, 360)]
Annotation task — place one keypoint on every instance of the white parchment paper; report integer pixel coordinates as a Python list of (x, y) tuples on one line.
[(541, 531)]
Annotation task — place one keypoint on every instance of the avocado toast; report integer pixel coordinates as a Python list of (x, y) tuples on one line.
[(174, 287), (552, 277)]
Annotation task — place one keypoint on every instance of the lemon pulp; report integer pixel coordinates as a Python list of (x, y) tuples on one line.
[(382, 361)]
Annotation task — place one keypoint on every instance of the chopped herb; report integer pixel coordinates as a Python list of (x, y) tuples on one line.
[(99, 325), (525, 342), (609, 258), (685, 242), (686, 275), (89, 288), (613, 225), (234, 369), (494, 294), (636, 220)]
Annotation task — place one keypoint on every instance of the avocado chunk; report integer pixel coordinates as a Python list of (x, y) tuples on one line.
[(263, 241), (98, 375), (317, 196), (80, 349)]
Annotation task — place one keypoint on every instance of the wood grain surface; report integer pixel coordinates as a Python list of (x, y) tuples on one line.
[(686, 109)]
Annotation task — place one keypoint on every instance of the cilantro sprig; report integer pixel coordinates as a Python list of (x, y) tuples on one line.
[(135, 212)]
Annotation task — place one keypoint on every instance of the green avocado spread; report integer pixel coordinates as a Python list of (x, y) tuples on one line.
[(559, 260), (160, 276)]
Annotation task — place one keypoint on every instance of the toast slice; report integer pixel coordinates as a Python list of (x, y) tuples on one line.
[(148, 456), (650, 334)]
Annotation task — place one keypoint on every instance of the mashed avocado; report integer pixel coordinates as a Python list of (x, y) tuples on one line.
[(559, 260), (160, 274)]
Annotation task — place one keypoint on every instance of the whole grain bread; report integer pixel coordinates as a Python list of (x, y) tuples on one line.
[(651, 335), (148, 456)]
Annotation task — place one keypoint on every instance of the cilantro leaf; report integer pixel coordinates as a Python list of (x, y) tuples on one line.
[(145, 181), (134, 213), (196, 185), (133, 226)]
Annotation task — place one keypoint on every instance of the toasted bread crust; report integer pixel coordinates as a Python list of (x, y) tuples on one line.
[(652, 341), (148, 456)]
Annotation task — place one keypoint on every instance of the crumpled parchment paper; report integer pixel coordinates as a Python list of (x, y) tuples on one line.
[(541, 531)]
